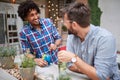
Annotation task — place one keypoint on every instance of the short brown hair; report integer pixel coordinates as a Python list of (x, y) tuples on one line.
[(78, 12)]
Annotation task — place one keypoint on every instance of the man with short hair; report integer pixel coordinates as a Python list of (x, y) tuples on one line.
[(90, 50)]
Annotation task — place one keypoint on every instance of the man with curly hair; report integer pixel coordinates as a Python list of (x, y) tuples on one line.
[(39, 35)]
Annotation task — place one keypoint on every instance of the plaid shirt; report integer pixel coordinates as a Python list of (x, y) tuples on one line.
[(39, 41)]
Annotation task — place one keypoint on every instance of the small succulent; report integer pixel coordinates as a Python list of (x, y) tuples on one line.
[(28, 60), (7, 51), (7, 55)]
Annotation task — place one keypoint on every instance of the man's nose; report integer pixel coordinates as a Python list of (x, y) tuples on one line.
[(35, 16)]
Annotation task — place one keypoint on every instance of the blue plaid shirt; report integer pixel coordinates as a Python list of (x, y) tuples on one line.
[(39, 41)]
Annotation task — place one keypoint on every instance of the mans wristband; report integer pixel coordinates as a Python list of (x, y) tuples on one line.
[(74, 59)]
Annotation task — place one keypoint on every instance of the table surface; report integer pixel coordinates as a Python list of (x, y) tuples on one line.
[(6, 76), (52, 70)]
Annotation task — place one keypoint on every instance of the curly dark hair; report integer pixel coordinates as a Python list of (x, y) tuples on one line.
[(25, 7)]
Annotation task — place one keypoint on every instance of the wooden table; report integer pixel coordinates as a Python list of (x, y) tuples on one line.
[(52, 71), (6, 76)]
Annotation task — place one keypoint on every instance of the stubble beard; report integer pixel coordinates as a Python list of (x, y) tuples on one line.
[(71, 31)]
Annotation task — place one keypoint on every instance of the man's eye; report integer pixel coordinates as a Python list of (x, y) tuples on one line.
[(32, 15)]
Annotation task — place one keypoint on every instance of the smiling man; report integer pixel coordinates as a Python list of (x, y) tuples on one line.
[(39, 35), (91, 50)]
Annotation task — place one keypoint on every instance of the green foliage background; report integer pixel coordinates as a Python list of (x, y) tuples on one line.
[(95, 12)]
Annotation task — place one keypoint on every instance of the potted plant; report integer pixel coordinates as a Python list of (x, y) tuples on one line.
[(7, 55), (27, 67), (62, 72)]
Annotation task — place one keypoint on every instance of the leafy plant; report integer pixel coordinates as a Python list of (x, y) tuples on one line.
[(27, 67), (62, 74), (27, 62), (62, 66), (7, 54), (7, 51), (64, 77)]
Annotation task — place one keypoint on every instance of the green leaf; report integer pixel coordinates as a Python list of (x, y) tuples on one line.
[(28, 62)]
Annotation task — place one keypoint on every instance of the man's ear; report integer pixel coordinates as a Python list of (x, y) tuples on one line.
[(25, 19), (74, 24)]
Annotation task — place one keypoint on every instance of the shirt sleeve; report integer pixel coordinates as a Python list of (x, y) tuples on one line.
[(24, 42), (105, 59), (55, 32)]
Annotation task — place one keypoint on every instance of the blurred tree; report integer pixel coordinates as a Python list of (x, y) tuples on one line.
[(95, 12)]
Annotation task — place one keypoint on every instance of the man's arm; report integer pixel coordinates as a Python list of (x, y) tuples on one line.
[(24, 42), (85, 68), (58, 42), (74, 68), (55, 45), (79, 66), (66, 56), (56, 36)]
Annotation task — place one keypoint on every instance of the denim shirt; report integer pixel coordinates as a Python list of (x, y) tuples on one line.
[(98, 50)]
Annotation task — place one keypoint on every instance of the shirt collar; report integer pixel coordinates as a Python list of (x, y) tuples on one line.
[(90, 32)]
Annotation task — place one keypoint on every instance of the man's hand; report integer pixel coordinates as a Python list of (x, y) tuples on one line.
[(41, 62), (53, 47), (30, 55), (65, 56)]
